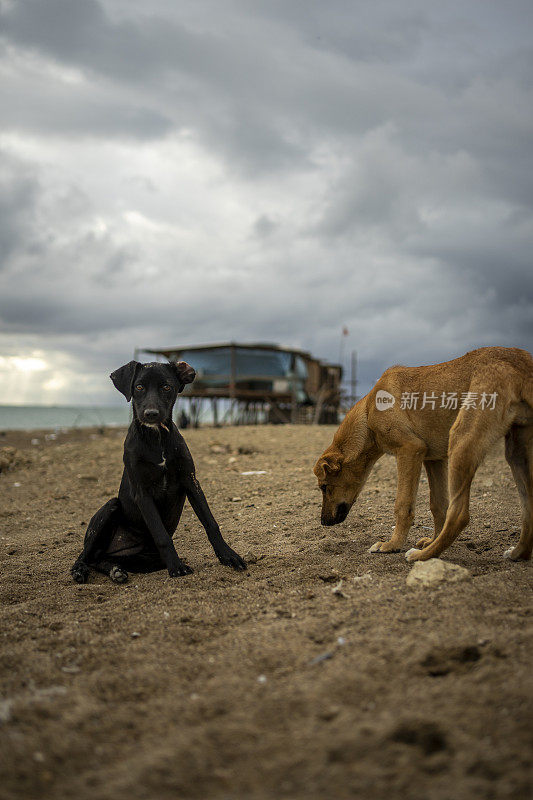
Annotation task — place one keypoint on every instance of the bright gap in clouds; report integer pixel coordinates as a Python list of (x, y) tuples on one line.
[(27, 364), (36, 380), (19, 376)]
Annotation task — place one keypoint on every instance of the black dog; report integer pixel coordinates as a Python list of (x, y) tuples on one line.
[(134, 530)]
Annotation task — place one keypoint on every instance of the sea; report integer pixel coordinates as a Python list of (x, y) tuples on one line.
[(62, 417)]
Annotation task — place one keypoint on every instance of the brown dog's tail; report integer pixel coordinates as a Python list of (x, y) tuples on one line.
[(527, 392), (527, 384)]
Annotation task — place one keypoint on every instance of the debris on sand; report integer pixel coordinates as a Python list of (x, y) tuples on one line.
[(363, 580), (41, 695), (337, 590), (11, 458), (329, 577), (425, 735), (434, 572), (255, 472), (218, 448), (322, 657), (443, 660), (341, 641), (252, 558), (246, 450)]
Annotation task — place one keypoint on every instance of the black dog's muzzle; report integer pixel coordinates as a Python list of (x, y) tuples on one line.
[(151, 415)]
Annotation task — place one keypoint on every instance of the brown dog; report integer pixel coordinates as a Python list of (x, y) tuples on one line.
[(448, 413)]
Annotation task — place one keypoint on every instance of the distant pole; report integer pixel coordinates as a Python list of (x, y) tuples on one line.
[(344, 334), (233, 372), (353, 376)]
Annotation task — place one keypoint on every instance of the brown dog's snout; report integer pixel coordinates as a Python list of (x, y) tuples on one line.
[(341, 512)]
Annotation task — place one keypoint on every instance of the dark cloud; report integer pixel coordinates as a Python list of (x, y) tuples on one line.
[(226, 170), (18, 192)]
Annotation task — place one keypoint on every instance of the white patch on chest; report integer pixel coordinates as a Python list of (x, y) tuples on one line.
[(163, 463)]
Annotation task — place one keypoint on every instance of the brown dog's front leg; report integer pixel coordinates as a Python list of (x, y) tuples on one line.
[(409, 460)]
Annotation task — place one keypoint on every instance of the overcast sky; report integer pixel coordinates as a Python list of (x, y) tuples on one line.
[(192, 171)]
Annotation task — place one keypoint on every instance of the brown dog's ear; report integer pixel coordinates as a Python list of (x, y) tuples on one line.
[(123, 378), (185, 373), (328, 465)]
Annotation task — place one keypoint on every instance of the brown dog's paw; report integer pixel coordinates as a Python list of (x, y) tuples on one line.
[(384, 547), (424, 541), (414, 555), (517, 554)]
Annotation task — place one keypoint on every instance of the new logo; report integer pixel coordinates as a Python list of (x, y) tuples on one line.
[(384, 400)]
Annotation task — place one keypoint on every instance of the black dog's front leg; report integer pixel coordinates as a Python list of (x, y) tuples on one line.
[(162, 540), (223, 551)]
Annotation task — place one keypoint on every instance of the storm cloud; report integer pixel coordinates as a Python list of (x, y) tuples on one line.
[(271, 171)]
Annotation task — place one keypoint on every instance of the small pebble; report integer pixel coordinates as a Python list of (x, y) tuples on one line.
[(135, 635)]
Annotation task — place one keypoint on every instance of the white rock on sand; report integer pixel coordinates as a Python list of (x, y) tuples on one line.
[(434, 571)]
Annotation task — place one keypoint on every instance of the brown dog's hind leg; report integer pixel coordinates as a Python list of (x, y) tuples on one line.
[(437, 472), (519, 455), (470, 439), (409, 459)]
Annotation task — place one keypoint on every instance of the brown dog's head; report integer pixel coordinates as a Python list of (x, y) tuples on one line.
[(336, 486), (340, 479)]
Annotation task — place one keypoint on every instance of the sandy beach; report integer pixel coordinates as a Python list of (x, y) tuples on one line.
[(317, 674)]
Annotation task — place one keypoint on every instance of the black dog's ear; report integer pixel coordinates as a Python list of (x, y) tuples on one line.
[(185, 373), (123, 378)]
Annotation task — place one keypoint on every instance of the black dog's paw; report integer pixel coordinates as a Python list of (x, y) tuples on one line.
[(180, 568), (80, 573), (230, 558), (118, 575)]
